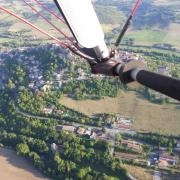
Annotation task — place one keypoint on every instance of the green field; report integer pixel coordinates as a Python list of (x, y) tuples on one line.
[(147, 36), (151, 37), (151, 117)]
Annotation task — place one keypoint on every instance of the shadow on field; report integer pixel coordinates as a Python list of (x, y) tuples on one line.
[(18, 162)]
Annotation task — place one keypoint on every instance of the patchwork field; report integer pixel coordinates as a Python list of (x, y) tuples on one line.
[(16, 168), (109, 16), (149, 37), (148, 116), (172, 35), (13, 26)]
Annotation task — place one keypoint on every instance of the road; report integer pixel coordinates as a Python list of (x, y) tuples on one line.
[(47, 118), (111, 131)]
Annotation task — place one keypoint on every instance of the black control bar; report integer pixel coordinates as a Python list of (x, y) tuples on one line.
[(163, 84), (166, 85)]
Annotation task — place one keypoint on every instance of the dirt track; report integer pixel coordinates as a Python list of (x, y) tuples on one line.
[(16, 168)]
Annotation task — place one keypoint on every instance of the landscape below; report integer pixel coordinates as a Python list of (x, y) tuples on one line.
[(70, 124)]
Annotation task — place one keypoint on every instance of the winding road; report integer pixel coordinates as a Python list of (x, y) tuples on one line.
[(111, 131)]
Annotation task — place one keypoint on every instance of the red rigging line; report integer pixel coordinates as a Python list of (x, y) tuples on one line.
[(47, 20), (135, 8), (127, 24), (73, 48), (34, 26), (51, 12)]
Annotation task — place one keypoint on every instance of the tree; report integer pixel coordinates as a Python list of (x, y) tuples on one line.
[(89, 177), (83, 172), (22, 149), (70, 166), (36, 160), (60, 164), (10, 84), (104, 130), (118, 137), (170, 147)]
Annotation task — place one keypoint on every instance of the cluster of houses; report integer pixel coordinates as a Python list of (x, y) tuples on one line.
[(136, 146), (120, 122), (52, 109), (33, 65), (35, 74), (91, 133), (163, 159), (58, 78), (78, 130), (37, 82), (100, 135), (128, 56)]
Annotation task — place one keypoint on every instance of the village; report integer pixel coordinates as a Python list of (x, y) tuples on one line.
[(130, 150), (115, 127), (37, 81)]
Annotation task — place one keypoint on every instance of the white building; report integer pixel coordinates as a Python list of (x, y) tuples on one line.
[(54, 147), (163, 70), (178, 144), (68, 128)]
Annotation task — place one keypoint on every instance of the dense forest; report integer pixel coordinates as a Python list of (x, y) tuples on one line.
[(79, 158)]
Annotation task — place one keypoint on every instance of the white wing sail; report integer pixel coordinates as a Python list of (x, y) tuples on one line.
[(85, 25)]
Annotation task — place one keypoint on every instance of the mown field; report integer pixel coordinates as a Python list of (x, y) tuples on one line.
[(151, 117), (16, 168), (139, 173)]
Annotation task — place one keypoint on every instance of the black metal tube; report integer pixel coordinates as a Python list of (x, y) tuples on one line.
[(163, 84), (64, 17), (125, 28)]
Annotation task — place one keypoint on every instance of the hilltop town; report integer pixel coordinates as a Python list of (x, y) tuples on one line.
[(41, 82)]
